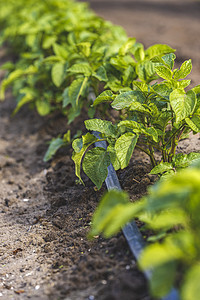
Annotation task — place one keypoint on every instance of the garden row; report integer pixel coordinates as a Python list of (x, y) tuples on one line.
[(66, 58)]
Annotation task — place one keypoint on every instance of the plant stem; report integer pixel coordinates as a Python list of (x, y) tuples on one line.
[(173, 149), (143, 150), (174, 142), (153, 161), (151, 156), (154, 145), (174, 134), (181, 132), (164, 155)]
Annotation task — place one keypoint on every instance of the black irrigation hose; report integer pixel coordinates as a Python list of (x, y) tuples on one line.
[(131, 232)]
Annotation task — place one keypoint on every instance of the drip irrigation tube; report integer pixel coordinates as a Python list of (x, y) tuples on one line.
[(131, 232)]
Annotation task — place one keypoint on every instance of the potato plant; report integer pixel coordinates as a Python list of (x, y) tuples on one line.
[(61, 49), (171, 212), (154, 118)]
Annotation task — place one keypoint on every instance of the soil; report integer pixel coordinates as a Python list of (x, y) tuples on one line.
[(45, 215)]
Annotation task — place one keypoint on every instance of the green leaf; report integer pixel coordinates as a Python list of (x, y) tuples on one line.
[(183, 83), (84, 47), (10, 79), (66, 98), (161, 168), (191, 288), (129, 75), (158, 254), (24, 100), (124, 147), (164, 72), (162, 279), (146, 71), (26, 96), (163, 119), (162, 90), (77, 145), (142, 86), (137, 106), (167, 219), (120, 216), (135, 126), (100, 74), (138, 52), (91, 112), (52, 59), (103, 126), (158, 49), (168, 60), (104, 97), (72, 113), (151, 131), (7, 66), (114, 84), (76, 89), (119, 63), (125, 99), (109, 201), (81, 68), (43, 107), (183, 104), (53, 148), (80, 146), (57, 74), (49, 41), (127, 46), (95, 164), (194, 123), (60, 51), (113, 157), (67, 137), (196, 89), (184, 160), (184, 70)]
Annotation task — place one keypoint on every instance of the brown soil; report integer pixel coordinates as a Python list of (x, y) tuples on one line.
[(45, 215)]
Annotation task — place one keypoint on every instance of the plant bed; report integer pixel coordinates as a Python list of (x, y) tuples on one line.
[(46, 217)]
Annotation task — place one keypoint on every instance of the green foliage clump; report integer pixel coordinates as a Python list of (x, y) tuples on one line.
[(61, 49), (171, 212), (154, 117)]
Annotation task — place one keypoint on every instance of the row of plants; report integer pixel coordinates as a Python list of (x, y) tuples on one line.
[(170, 213), (64, 56)]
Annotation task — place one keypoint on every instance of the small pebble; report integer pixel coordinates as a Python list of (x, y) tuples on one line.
[(28, 274), (37, 287)]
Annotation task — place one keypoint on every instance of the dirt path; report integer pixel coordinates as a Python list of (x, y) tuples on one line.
[(44, 215), (44, 220)]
